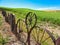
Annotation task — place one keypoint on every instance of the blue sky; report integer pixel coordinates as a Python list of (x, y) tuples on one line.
[(31, 4)]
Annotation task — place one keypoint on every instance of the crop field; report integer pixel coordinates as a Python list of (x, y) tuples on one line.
[(48, 16)]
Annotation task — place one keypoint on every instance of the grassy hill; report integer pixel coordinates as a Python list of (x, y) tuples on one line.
[(47, 16)]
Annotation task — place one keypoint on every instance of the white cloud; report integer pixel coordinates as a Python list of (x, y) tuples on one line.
[(49, 8)]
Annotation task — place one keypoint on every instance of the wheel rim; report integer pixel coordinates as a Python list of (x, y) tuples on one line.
[(31, 20)]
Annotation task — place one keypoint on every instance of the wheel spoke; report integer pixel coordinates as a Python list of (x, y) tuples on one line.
[(45, 39), (42, 36)]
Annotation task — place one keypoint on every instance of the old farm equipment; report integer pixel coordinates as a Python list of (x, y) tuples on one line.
[(28, 31)]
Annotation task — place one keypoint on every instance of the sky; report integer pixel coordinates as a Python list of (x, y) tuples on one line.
[(32, 4)]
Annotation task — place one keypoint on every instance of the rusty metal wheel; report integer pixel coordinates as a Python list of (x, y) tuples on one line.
[(42, 36), (21, 27), (31, 20), (20, 31)]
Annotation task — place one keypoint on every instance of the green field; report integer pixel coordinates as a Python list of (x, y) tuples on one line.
[(47, 16)]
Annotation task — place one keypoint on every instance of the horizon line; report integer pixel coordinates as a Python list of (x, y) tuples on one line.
[(41, 8)]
